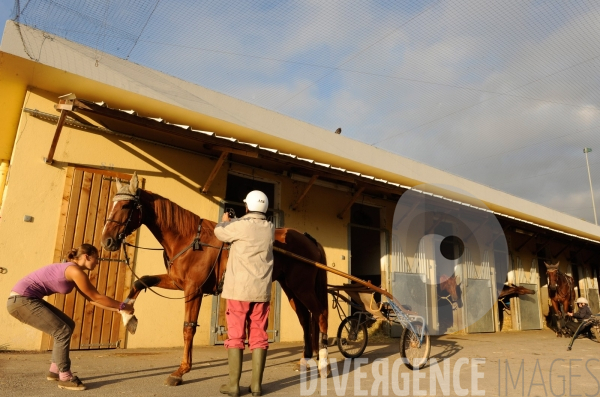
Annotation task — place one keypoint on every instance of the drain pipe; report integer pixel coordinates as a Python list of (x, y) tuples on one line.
[(3, 175)]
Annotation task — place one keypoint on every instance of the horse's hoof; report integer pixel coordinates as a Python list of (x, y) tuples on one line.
[(568, 348), (301, 366), (325, 372), (173, 381)]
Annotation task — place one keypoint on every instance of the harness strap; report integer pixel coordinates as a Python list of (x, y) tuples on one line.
[(218, 291), (219, 286), (193, 244)]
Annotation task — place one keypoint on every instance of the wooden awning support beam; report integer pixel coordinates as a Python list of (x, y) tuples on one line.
[(311, 182), (247, 153), (594, 255), (65, 104), (436, 224), (526, 241), (542, 246), (412, 209), (496, 236), (589, 257), (352, 201), (214, 171), (562, 250), (581, 248), (476, 229)]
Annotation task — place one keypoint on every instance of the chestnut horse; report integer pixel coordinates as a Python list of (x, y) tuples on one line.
[(452, 290), (196, 260), (561, 293), (511, 290)]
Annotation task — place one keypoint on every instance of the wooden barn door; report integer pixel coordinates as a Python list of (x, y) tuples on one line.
[(85, 206)]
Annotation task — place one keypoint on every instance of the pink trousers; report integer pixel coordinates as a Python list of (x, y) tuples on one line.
[(251, 315)]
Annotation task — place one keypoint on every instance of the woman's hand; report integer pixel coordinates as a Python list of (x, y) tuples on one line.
[(128, 308), (225, 217)]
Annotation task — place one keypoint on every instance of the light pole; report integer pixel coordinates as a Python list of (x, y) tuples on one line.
[(586, 150)]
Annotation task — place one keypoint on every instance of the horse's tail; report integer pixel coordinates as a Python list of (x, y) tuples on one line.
[(321, 281), (321, 294)]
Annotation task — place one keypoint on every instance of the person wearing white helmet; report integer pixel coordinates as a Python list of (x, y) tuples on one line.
[(247, 288), (583, 313)]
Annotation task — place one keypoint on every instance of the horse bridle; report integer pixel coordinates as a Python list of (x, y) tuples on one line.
[(137, 205), (558, 275)]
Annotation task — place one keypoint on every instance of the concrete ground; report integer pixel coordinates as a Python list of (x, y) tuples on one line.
[(531, 363)]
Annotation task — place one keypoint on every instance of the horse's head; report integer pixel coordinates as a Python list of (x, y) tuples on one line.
[(125, 216), (552, 274), (524, 291), (449, 285)]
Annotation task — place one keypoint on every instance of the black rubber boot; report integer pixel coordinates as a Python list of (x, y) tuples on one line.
[(259, 358), (235, 358)]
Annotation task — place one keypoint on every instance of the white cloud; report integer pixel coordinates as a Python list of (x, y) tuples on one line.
[(429, 74)]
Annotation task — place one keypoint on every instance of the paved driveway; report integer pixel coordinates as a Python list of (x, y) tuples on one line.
[(532, 363)]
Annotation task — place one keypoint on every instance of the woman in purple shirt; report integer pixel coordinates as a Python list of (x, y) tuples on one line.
[(26, 303)]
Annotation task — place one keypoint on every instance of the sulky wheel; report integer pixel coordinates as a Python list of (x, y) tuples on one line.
[(416, 355), (352, 337), (595, 331)]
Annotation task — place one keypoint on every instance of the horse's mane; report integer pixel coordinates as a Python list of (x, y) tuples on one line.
[(172, 216)]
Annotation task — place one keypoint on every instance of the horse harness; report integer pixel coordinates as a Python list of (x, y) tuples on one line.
[(196, 245)]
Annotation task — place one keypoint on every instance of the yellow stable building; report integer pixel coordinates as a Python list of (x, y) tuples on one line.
[(72, 122)]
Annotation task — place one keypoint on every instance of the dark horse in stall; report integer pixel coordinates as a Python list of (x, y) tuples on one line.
[(561, 292), (510, 290), (450, 286), (198, 269), (449, 299)]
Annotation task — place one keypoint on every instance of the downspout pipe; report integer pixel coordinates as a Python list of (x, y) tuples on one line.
[(3, 174)]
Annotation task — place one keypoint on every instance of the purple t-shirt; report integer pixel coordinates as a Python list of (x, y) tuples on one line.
[(45, 281)]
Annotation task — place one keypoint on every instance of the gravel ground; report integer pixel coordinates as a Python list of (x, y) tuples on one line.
[(536, 361)]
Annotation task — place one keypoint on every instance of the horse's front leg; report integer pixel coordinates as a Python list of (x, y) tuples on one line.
[(192, 308), (565, 307), (558, 317), (161, 281)]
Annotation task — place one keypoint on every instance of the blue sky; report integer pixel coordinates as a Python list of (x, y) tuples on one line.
[(504, 93), (6, 7)]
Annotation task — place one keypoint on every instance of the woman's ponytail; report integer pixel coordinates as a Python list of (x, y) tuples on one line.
[(72, 254), (84, 249)]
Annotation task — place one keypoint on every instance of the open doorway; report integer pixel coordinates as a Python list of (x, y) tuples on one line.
[(444, 249), (366, 248), (237, 189), (238, 186)]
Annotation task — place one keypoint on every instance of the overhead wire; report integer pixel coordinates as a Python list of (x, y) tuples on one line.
[(425, 80)]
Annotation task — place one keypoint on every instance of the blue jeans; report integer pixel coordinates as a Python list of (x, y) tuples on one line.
[(47, 318)]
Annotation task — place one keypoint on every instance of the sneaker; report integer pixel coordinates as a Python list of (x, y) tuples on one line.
[(72, 384), (52, 376)]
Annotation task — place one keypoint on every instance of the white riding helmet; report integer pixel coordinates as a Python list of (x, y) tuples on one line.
[(582, 300), (257, 201)]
